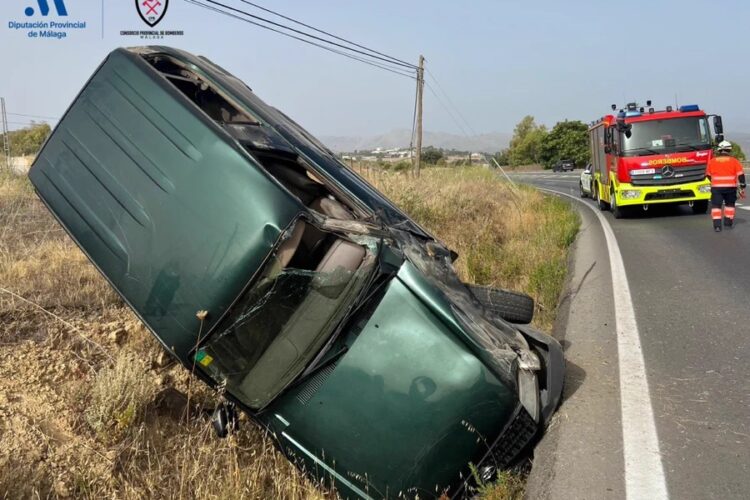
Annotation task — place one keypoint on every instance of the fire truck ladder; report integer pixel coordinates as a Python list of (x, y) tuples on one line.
[(6, 138)]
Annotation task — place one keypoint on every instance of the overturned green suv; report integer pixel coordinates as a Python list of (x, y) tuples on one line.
[(285, 280)]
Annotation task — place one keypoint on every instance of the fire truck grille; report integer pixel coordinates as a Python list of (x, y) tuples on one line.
[(693, 173), (669, 194)]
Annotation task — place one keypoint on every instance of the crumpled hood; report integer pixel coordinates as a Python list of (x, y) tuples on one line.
[(408, 399)]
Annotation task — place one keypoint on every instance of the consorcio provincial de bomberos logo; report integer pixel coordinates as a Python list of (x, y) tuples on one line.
[(47, 19), (151, 12)]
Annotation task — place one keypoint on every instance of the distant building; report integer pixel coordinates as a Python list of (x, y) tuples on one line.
[(20, 164)]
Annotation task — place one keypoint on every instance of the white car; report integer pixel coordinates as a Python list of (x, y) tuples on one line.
[(585, 182)]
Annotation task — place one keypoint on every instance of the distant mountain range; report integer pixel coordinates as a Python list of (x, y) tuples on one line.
[(400, 138), (741, 138), (484, 143)]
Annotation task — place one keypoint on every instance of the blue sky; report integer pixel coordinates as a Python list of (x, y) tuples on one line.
[(497, 60)]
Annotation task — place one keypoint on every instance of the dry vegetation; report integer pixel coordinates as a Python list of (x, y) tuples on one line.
[(86, 410), (508, 238), (87, 407)]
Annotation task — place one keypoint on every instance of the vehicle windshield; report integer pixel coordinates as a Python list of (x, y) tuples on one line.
[(279, 325), (666, 136)]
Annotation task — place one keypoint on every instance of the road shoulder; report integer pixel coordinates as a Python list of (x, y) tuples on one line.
[(580, 455)]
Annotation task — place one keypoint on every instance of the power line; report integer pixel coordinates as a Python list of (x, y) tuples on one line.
[(350, 56), (326, 33), (447, 109), (25, 123), (35, 116), (450, 102), (486, 156), (303, 33)]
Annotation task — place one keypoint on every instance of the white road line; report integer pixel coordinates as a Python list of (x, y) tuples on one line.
[(644, 472), (743, 207)]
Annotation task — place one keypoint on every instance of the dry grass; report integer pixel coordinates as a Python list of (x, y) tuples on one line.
[(86, 412), (514, 239)]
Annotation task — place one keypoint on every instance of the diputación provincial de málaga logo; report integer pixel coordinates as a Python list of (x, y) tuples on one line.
[(40, 27)]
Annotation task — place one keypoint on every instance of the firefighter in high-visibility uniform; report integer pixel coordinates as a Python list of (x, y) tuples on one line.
[(725, 173)]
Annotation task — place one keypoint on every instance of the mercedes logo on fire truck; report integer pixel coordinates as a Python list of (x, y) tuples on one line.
[(667, 171)]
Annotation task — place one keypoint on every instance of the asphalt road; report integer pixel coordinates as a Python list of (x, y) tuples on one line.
[(690, 289)]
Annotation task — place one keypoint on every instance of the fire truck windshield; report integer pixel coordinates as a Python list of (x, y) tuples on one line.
[(666, 136)]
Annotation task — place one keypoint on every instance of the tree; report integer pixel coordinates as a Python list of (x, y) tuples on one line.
[(566, 140), (737, 152), (525, 146), (432, 155), (502, 157), (28, 140)]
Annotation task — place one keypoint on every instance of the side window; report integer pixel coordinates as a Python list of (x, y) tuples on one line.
[(703, 130)]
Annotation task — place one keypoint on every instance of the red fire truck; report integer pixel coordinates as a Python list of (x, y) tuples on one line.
[(642, 156)]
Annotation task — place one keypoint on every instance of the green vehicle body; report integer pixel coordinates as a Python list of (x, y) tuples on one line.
[(411, 383)]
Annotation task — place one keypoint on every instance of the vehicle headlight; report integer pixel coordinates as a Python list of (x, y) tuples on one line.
[(528, 392), (629, 194), (705, 189)]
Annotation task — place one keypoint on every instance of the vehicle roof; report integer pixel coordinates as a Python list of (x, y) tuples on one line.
[(171, 210), (663, 115), (318, 155)]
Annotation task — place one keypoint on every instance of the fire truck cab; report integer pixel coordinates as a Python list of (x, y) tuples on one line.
[(642, 156)]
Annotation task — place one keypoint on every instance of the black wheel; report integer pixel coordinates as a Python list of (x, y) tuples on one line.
[(700, 207), (580, 187), (614, 207), (602, 204), (511, 306)]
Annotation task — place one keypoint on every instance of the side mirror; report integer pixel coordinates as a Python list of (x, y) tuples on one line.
[(718, 127), (224, 419), (719, 137)]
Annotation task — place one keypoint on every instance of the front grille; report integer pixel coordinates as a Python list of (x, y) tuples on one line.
[(513, 439), (693, 173), (669, 194)]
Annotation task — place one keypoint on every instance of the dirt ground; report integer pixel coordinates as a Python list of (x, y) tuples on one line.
[(87, 407)]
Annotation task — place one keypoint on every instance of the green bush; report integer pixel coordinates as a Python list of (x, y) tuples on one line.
[(401, 166)]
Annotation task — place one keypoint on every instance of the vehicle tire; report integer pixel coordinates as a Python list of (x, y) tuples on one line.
[(700, 207), (511, 306), (617, 211), (602, 204), (580, 187)]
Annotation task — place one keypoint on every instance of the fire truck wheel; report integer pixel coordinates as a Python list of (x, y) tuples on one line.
[(700, 207), (511, 306), (616, 210), (603, 205)]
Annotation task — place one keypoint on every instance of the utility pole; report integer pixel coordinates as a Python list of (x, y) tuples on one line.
[(420, 92), (6, 137)]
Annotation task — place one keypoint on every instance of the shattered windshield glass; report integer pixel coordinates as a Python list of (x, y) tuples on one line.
[(277, 328)]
